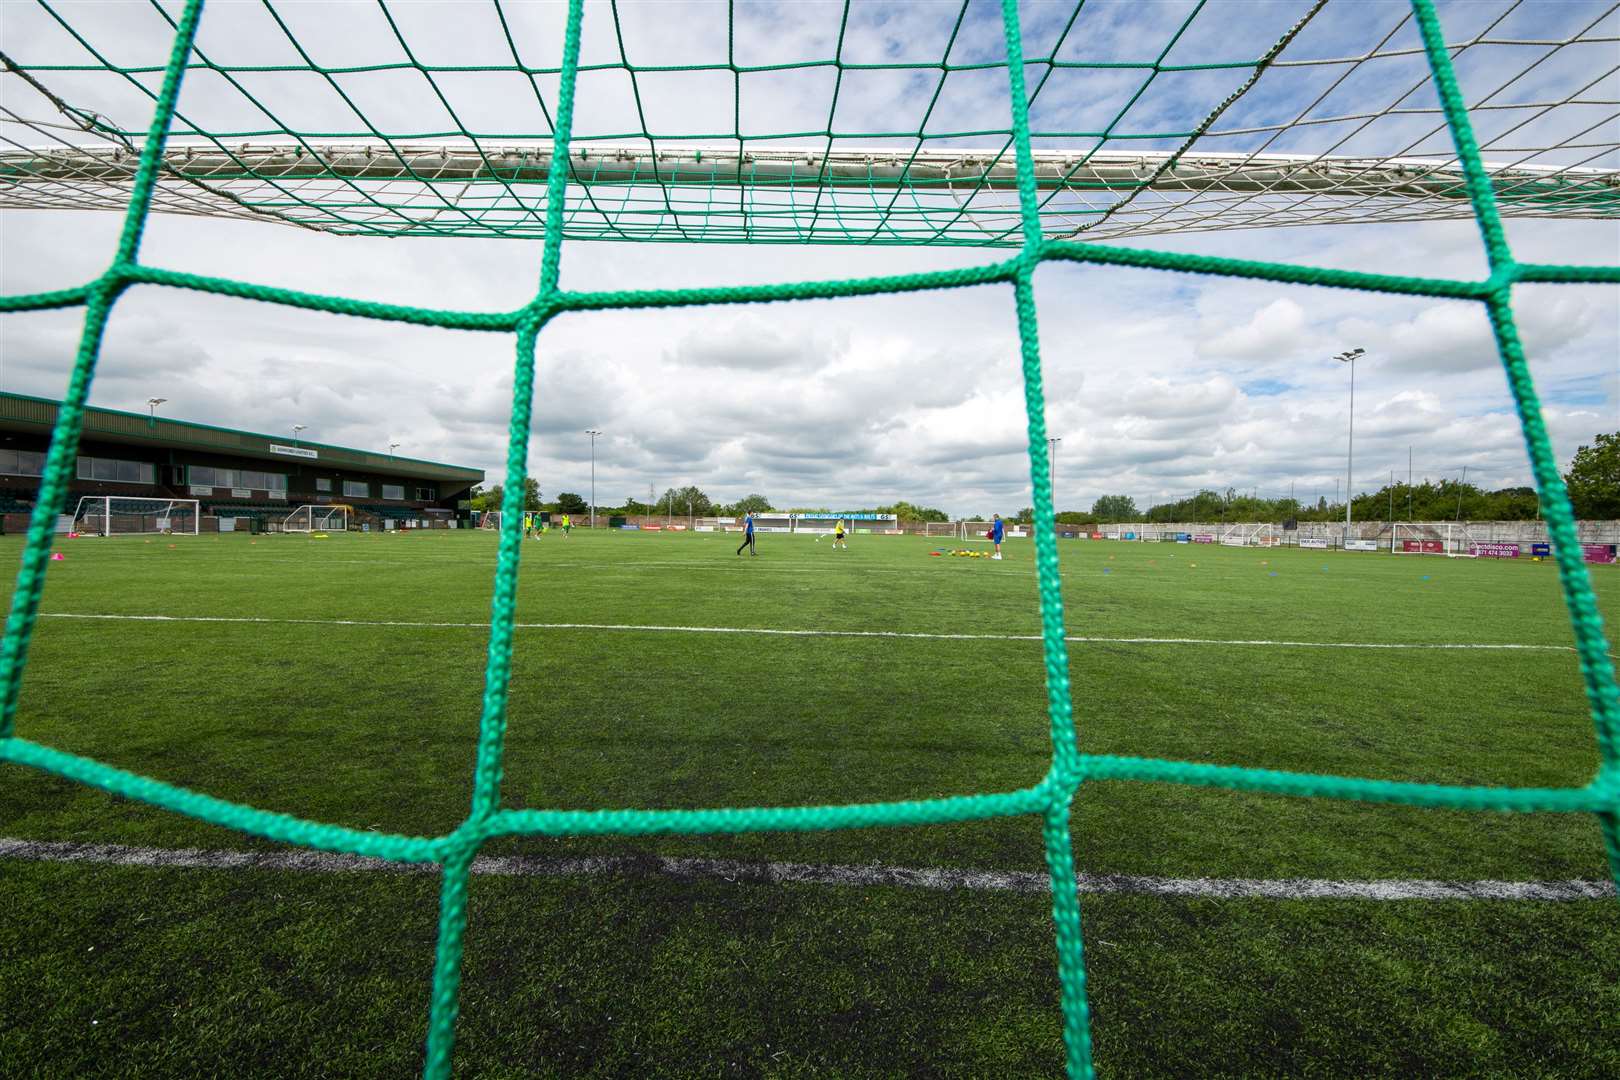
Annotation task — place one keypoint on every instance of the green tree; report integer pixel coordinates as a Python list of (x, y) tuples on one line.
[(1594, 479), (1115, 508), (687, 500), (487, 499), (751, 504), (569, 503), (531, 493), (908, 512)]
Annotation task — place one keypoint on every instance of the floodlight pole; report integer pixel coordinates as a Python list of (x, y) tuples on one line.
[(391, 448), (1051, 462), (296, 429), (594, 434), (1350, 442), (151, 410)]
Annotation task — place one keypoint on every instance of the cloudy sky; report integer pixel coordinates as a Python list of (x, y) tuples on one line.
[(1158, 383)]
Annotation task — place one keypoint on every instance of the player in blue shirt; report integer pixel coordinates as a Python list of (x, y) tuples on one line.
[(748, 537), (998, 532)]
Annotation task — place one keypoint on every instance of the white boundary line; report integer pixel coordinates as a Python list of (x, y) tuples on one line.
[(777, 873), (770, 632)]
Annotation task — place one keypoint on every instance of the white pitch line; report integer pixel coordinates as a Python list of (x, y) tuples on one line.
[(780, 873), (653, 628)]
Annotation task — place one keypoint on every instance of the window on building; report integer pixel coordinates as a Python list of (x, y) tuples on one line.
[(427, 494), (21, 463), (206, 476), (356, 489), (395, 492), (323, 483), (117, 472)]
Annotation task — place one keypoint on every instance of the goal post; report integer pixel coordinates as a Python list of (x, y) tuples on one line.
[(1408, 538), (317, 517), (113, 515), (951, 530), (490, 520)]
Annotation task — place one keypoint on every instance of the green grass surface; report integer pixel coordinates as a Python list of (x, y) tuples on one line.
[(374, 727)]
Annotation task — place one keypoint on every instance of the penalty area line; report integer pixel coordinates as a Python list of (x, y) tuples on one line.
[(651, 628), (781, 873)]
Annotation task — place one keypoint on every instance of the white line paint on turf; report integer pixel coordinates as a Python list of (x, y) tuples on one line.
[(651, 628), (776, 873)]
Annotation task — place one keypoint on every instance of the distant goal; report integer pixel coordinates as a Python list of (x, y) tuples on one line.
[(312, 518), (103, 515), (1453, 540)]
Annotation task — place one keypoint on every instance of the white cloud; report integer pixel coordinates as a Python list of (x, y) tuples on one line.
[(822, 403)]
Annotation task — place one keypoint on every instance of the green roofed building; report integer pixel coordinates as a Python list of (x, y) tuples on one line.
[(230, 473)]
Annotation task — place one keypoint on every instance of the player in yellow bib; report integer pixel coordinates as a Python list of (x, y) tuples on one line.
[(567, 526), (838, 536)]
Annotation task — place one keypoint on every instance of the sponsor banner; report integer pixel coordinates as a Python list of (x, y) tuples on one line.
[(1541, 550), (1183, 538), (1426, 547), (1598, 553), (1130, 536), (294, 451), (636, 528), (1234, 541), (281, 495), (1203, 538), (847, 517), (225, 525), (1096, 536), (704, 528), (675, 528), (1320, 542), (241, 493), (1361, 545), (1494, 551), (198, 489)]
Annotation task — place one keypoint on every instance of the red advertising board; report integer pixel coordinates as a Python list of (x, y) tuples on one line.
[(1494, 551), (1598, 553), (1096, 536), (1428, 547), (1203, 538)]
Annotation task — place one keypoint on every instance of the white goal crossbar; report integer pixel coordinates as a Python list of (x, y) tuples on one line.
[(113, 515)]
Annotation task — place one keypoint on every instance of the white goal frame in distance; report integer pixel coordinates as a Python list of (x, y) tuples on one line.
[(946, 530), (113, 515), (491, 520), (1403, 531), (973, 531), (317, 517)]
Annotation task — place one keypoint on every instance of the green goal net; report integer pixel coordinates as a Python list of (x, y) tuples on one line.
[(1004, 152)]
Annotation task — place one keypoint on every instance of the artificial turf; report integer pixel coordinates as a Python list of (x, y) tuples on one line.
[(324, 712)]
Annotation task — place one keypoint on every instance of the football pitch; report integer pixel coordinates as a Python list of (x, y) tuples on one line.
[(1228, 933)]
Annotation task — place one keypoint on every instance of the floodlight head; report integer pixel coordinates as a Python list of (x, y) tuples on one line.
[(299, 427), (156, 401)]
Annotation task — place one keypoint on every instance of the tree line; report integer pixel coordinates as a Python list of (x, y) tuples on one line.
[(1593, 480)]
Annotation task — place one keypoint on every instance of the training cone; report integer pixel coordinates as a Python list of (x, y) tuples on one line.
[(58, 557)]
